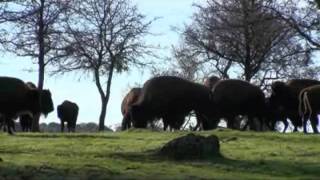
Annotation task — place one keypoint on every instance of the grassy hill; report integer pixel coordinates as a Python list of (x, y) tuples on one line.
[(131, 155)]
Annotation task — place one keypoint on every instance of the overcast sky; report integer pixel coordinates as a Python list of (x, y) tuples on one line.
[(81, 89)]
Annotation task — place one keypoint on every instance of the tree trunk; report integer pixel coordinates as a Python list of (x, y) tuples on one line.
[(104, 96), (103, 113), (101, 123), (35, 122)]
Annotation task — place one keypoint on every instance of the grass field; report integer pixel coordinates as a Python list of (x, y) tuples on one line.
[(131, 155)]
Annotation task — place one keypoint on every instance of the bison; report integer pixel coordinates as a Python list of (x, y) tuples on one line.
[(170, 98), (68, 112), (285, 98), (236, 97), (26, 118), (127, 101), (309, 106), (16, 98)]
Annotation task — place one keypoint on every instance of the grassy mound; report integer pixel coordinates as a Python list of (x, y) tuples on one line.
[(131, 154)]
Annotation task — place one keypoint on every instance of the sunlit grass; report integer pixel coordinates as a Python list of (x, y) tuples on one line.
[(131, 154)]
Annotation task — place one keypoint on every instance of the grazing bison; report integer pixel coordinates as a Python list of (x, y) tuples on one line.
[(233, 97), (127, 101), (170, 98), (309, 106), (16, 97), (285, 97), (68, 112)]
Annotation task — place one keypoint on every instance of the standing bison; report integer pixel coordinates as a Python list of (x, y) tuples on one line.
[(285, 97), (236, 97), (68, 112), (17, 98), (127, 101), (309, 106), (170, 98)]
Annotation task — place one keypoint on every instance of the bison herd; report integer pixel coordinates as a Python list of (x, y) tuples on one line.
[(26, 101), (172, 99)]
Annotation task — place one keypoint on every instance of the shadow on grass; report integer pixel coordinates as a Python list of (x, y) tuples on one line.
[(44, 171), (273, 168)]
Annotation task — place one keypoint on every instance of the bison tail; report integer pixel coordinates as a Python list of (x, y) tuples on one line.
[(305, 109), (301, 107), (307, 104)]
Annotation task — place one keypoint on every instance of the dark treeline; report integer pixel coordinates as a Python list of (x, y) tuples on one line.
[(56, 127)]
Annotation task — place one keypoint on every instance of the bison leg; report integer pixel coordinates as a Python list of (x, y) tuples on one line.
[(297, 121), (200, 119), (74, 127), (10, 125), (174, 121), (252, 125), (305, 130), (165, 123), (62, 126), (229, 123), (314, 123), (286, 124), (126, 122), (70, 126)]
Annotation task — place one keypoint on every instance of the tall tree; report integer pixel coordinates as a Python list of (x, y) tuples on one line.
[(31, 29), (243, 37), (104, 37)]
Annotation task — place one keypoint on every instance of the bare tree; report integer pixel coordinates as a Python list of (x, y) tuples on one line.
[(244, 37), (31, 29), (104, 37), (303, 17)]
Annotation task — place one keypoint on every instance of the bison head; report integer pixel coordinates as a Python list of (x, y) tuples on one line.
[(281, 95), (46, 102), (138, 117), (33, 99)]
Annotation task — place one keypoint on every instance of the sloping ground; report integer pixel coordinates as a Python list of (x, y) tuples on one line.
[(131, 155)]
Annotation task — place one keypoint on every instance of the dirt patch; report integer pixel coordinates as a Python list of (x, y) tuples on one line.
[(191, 147)]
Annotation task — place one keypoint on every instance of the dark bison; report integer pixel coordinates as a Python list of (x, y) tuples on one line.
[(68, 112), (170, 98), (17, 98), (127, 101), (233, 97), (285, 98), (309, 106)]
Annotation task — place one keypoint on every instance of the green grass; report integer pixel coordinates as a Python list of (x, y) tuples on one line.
[(131, 155)]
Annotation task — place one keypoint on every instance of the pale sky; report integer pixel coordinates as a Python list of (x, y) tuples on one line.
[(83, 90)]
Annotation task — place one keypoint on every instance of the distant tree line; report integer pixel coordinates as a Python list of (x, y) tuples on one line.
[(55, 127)]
